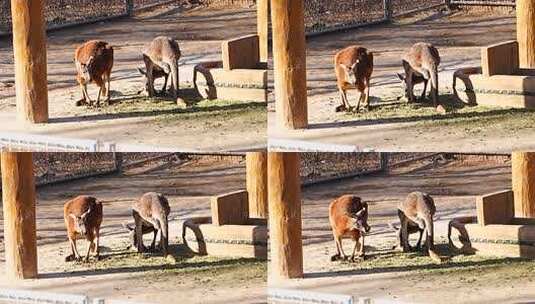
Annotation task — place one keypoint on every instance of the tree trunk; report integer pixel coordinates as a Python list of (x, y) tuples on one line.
[(29, 48), (523, 167), (525, 29), (256, 167), (263, 28), (285, 216), (289, 56), (18, 197)]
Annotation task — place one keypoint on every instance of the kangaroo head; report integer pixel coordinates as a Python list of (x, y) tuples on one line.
[(350, 72), (84, 69), (81, 222), (361, 219)]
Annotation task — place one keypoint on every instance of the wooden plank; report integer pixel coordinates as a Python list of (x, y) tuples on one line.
[(495, 208), (241, 53), (500, 59)]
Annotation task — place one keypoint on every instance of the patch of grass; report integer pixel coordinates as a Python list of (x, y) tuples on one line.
[(460, 268), (465, 118), (183, 263)]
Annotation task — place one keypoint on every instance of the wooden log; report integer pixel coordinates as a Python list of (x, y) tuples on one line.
[(18, 197), (256, 167), (289, 57), (285, 216), (525, 31), (523, 168), (29, 48), (262, 16)]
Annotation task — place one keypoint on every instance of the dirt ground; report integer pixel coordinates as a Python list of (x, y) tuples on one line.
[(123, 274), (225, 124), (411, 278), (394, 125)]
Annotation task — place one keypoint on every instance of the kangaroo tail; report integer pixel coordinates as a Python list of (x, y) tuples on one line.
[(174, 77)]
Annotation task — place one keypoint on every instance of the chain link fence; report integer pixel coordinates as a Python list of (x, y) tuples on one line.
[(318, 167), (484, 2), (326, 16), (63, 13)]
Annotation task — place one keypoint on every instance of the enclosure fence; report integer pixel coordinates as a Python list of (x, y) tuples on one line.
[(325, 16), (63, 13), (484, 2)]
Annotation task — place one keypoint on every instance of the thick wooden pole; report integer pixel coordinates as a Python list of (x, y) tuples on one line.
[(289, 57), (29, 47), (262, 15), (285, 216), (525, 31), (256, 167), (18, 198), (523, 167)]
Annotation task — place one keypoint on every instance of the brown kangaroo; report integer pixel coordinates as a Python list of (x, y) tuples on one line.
[(94, 62), (348, 217), (417, 210), (353, 67), (83, 217), (161, 57), (421, 62)]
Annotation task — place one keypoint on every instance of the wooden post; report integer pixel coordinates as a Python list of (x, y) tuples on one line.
[(256, 167), (18, 198), (285, 215), (384, 158), (118, 157), (289, 57), (525, 31), (262, 17), (129, 7), (29, 48), (523, 167)]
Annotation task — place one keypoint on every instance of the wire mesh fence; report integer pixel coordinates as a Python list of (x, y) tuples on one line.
[(316, 167), (404, 6), (484, 2), (59, 13), (321, 15)]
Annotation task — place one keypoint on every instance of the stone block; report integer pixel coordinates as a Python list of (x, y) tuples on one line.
[(241, 53), (230, 209), (495, 208), (500, 59)]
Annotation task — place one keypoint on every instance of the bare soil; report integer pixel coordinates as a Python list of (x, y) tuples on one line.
[(124, 274), (135, 119), (392, 124), (412, 278)]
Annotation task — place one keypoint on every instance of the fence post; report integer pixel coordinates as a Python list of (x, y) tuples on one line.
[(388, 9), (447, 3), (384, 161), (129, 7), (118, 156)]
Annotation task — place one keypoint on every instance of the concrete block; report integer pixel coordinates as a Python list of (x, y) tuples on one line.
[(500, 59), (241, 53), (495, 208), (204, 238), (214, 82), (230, 209)]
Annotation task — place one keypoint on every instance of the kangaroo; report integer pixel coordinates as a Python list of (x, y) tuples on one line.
[(418, 210), (422, 60), (416, 79), (83, 217), (94, 62), (353, 67), (348, 217), (411, 229), (145, 230), (157, 72), (161, 55), (151, 210)]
